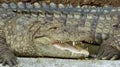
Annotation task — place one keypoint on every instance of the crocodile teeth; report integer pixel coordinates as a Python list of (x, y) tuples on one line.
[(79, 42), (86, 40), (73, 43), (89, 41), (72, 49), (60, 42)]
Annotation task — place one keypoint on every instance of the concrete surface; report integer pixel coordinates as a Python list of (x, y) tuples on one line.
[(50, 62)]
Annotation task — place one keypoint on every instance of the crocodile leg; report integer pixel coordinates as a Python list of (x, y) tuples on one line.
[(110, 49), (7, 56)]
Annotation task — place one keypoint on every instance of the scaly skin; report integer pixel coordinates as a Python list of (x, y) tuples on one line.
[(55, 33), (21, 39), (110, 48)]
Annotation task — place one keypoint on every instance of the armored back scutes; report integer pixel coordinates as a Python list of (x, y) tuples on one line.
[(60, 8)]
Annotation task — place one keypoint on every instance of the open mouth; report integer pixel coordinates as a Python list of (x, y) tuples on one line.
[(70, 46)]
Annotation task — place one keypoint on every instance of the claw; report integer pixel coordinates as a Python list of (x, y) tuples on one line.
[(108, 51), (114, 57), (4, 63)]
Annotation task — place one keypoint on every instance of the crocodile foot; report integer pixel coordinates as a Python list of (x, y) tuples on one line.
[(109, 49), (8, 58)]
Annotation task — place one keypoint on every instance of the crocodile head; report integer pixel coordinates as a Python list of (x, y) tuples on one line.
[(62, 36)]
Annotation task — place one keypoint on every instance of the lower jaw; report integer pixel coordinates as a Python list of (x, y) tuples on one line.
[(45, 48)]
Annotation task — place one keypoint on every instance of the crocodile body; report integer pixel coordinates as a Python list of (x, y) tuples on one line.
[(36, 30)]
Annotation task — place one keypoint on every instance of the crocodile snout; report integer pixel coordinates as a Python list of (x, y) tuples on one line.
[(75, 51)]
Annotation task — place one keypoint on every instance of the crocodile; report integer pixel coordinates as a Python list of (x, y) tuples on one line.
[(40, 30)]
